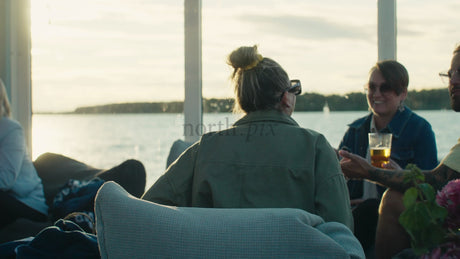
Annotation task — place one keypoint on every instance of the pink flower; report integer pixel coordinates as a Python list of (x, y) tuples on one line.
[(449, 198), (434, 254), (444, 251)]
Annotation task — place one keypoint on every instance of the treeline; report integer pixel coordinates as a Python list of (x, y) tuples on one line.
[(435, 99), (163, 107)]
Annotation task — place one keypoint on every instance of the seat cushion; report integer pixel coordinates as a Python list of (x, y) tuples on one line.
[(128, 227)]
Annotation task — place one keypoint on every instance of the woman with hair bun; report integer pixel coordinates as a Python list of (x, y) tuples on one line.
[(265, 160)]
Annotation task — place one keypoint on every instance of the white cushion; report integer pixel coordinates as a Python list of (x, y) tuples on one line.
[(128, 227)]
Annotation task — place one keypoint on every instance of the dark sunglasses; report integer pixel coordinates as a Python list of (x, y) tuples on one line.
[(450, 73), (295, 88), (384, 88)]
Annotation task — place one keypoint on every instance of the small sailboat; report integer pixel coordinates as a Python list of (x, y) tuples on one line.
[(326, 108)]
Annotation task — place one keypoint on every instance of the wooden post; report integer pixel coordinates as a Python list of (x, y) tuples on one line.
[(193, 106), (15, 63), (387, 29)]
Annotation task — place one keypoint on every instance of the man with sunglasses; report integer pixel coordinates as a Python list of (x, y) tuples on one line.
[(265, 160), (413, 140), (391, 237)]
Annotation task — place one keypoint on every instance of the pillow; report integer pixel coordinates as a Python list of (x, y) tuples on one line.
[(128, 227), (55, 170)]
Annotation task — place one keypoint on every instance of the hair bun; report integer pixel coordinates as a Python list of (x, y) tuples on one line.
[(244, 58)]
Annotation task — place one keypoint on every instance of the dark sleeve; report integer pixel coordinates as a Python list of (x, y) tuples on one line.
[(346, 141), (331, 195)]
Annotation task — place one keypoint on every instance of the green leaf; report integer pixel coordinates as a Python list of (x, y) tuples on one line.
[(423, 218), (414, 174), (422, 215), (414, 219), (420, 177), (428, 191), (410, 197), (423, 225), (436, 235), (419, 250), (437, 212), (430, 237)]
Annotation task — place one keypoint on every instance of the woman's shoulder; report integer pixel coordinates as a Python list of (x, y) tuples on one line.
[(416, 118), (357, 123), (7, 124)]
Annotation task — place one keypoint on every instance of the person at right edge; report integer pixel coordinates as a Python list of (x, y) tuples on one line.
[(391, 238), (413, 141)]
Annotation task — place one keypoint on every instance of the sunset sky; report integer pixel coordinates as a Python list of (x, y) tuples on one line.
[(92, 52)]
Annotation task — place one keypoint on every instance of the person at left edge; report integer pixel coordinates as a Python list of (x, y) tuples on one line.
[(21, 190)]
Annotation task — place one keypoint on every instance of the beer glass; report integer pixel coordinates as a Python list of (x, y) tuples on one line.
[(380, 148)]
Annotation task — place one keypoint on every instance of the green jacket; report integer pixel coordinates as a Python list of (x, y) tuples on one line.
[(264, 161)]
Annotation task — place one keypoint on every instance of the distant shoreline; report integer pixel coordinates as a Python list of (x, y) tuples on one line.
[(435, 99), (73, 113)]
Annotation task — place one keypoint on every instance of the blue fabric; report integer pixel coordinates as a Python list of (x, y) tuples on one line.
[(76, 196), (63, 240), (413, 142), (7, 250)]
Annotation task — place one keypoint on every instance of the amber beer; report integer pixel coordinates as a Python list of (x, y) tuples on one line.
[(380, 156), (380, 148)]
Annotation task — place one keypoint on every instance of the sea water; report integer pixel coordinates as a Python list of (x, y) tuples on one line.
[(106, 140)]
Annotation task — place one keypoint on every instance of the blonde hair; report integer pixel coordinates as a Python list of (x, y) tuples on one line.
[(4, 102), (457, 49), (258, 81)]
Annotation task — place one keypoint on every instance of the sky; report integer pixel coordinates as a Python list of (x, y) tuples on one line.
[(95, 52)]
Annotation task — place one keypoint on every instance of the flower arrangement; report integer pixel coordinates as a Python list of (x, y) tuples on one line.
[(449, 198), (432, 219)]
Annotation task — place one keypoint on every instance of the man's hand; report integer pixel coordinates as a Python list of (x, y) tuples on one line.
[(392, 165), (354, 166)]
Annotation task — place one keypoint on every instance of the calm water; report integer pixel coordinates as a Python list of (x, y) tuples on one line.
[(104, 141)]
